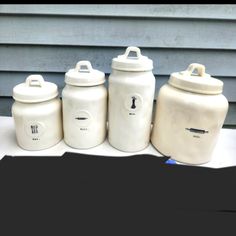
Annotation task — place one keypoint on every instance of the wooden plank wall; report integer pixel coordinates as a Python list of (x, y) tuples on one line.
[(50, 39)]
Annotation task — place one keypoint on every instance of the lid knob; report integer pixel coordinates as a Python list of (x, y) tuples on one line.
[(199, 82), (195, 66), (35, 89), (132, 60), (34, 80), (84, 66), (84, 75), (132, 49)]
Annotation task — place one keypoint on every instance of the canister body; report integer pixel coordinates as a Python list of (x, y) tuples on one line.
[(130, 108), (38, 125), (187, 125), (84, 115)]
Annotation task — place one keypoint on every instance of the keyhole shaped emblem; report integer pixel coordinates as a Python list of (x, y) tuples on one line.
[(133, 102), (133, 106)]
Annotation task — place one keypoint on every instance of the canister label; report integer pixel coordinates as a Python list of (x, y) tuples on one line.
[(34, 129), (197, 132), (83, 119), (133, 103)]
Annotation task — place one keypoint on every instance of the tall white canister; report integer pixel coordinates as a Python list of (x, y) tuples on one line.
[(190, 113), (131, 94), (37, 113), (84, 102)]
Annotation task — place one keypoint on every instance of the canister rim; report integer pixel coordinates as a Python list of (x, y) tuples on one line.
[(125, 62), (198, 83), (84, 77), (34, 90)]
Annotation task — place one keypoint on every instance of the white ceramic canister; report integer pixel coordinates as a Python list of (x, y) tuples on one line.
[(190, 113), (131, 95), (37, 113), (84, 102)]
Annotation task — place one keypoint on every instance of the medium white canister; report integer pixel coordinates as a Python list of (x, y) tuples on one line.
[(190, 113), (131, 95), (84, 102), (37, 113)]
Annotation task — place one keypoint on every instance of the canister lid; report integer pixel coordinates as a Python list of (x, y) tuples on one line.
[(199, 82), (35, 89), (84, 75), (136, 62)]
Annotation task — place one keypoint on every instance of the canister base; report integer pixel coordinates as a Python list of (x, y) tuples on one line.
[(83, 148), (180, 161), (187, 163), (40, 149), (125, 150)]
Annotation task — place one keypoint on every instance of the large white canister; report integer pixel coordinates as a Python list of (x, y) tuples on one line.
[(37, 113), (190, 113), (131, 95), (84, 102)]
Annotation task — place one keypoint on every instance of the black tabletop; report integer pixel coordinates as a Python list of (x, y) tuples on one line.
[(114, 195)]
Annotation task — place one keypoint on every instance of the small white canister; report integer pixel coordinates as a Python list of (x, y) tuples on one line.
[(190, 113), (37, 114), (84, 102), (131, 95)]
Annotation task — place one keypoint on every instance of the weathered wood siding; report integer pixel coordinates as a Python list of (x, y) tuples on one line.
[(50, 39)]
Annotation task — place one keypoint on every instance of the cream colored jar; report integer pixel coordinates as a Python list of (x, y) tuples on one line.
[(131, 95), (84, 100), (37, 114), (190, 113)]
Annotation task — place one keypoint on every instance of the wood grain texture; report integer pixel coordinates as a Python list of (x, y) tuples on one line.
[(113, 32), (198, 11), (49, 39), (62, 58)]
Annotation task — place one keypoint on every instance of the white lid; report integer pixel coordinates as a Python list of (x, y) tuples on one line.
[(198, 83), (84, 75), (35, 89), (132, 63)]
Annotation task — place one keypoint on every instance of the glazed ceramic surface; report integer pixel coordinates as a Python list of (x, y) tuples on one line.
[(84, 100), (190, 113), (37, 114), (131, 94)]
